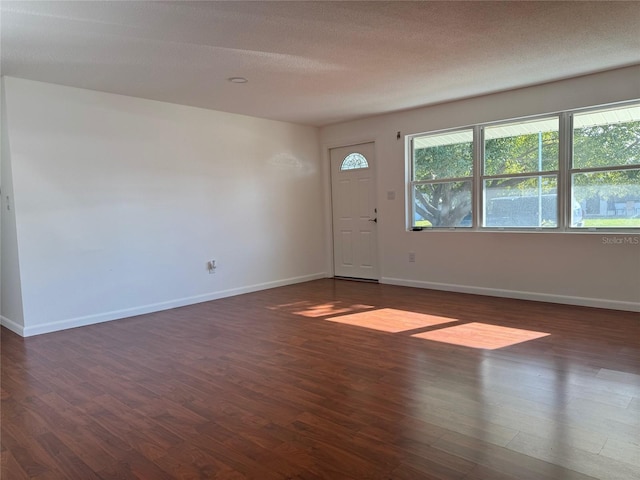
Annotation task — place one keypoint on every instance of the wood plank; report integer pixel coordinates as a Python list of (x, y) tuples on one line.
[(564, 454)]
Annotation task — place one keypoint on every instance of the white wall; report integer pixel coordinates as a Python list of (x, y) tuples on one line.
[(574, 268), (120, 202), (10, 291)]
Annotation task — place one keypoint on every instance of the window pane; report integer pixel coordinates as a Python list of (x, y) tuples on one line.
[(522, 147), (609, 199), (607, 138), (354, 161), (445, 204), (521, 202), (443, 156)]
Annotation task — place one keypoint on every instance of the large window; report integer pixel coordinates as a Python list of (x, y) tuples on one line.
[(441, 186), (573, 170), (605, 168)]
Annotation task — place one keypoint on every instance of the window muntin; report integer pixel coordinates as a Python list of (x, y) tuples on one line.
[(606, 148), (441, 179), (354, 161)]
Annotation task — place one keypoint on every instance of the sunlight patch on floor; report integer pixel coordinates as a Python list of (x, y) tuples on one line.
[(481, 335), (391, 320), (436, 328), (331, 308)]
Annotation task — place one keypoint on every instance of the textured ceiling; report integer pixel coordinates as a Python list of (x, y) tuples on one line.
[(314, 62)]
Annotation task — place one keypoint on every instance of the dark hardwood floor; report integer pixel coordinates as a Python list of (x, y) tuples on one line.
[(329, 380)]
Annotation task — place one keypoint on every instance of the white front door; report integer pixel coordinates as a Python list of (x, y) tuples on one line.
[(353, 196)]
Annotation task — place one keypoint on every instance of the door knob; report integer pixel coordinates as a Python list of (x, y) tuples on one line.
[(373, 220)]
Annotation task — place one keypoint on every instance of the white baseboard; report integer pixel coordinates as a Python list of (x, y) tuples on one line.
[(156, 307), (496, 292), (11, 325)]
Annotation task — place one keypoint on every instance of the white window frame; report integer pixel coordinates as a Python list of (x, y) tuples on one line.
[(563, 175)]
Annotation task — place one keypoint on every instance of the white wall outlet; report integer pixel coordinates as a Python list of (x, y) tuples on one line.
[(412, 257)]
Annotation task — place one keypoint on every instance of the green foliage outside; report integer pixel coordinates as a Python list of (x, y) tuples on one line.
[(612, 222), (521, 154), (607, 145), (447, 203), (604, 146)]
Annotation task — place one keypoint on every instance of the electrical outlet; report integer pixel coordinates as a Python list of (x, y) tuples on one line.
[(412, 257)]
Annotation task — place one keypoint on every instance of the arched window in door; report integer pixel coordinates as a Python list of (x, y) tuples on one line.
[(354, 161)]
